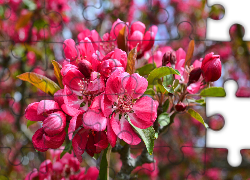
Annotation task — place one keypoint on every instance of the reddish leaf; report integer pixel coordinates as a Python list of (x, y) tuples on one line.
[(189, 53), (57, 72)]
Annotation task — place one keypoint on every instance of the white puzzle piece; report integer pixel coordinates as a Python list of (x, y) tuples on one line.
[(233, 135), (235, 13)]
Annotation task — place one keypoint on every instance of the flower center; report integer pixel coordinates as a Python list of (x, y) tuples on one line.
[(125, 104)]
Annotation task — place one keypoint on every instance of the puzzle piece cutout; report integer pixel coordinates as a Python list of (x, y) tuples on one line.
[(219, 29), (225, 138)]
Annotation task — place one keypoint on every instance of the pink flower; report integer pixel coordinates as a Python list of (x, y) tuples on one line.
[(109, 39), (150, 169), (83, 51), (157, 55), (123, 98), (91, 141), (79, 84), (113, 60), (52, 134), (184, 78), (136, 35), (67, 167), (211, 67)]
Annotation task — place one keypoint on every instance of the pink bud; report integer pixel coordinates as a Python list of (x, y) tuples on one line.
[(211, 67), (85, 67), (180, 107), (194, 75)]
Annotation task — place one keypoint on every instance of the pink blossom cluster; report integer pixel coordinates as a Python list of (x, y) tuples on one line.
[(65, 168), (96, 102)]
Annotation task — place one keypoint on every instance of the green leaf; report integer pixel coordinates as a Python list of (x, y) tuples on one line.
[(163, 119), (67, 148), (165, 105), (160, 72), (202, 102), (29, 123), (103, 166), (147, 135), (145, 70), (163, 89), (213, 92), (176, 83), (131, 60), (168, 80), (150, 92), (197, 116), (45, 84)]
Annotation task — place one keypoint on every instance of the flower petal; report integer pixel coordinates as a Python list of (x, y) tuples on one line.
[(38, 141), (45, 106), (107, 107), (115, 85), (75, 123), (180, 54), (79, 143), (111, 134), (70, 98), (136, 121), (69, 48), (31, 113), (56, 141), (127, 133), (92, 173), (54, 123), (145, 109), (94, 120), (101, 141), (74, 80), (70, 110), (138, 26), (136, 85), (134, 39)]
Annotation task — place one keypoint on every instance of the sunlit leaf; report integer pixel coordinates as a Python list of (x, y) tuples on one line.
[(190, 52), (29, 123), (197, 116), (145, 70), (147, 135), (160, 72), (45, 84), (131, 60), (57, 72), (213, 92)]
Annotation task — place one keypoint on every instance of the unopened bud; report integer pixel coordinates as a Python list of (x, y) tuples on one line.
[(180, 107), (169, 57), (85, 68), (194, 75), (211, 67)]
